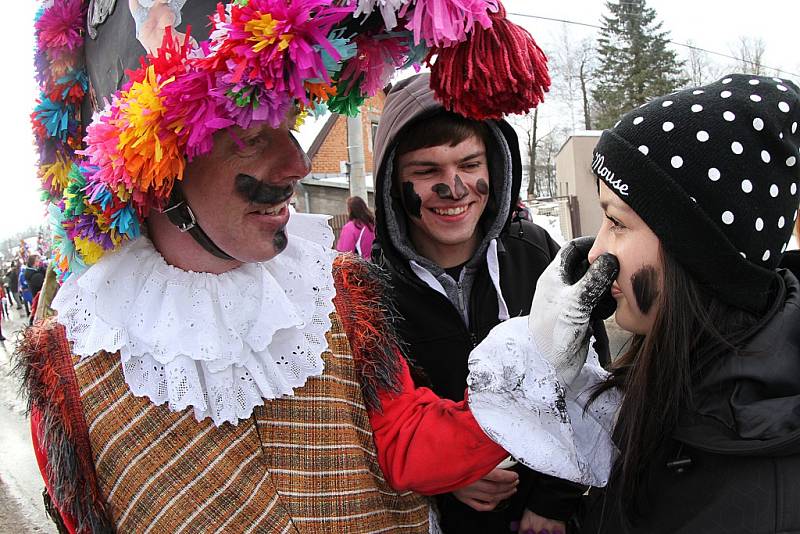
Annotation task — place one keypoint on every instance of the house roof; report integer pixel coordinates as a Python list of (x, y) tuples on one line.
[(322, 134), (310, 129)]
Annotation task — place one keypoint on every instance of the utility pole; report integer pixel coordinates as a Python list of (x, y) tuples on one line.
[(355, 151)]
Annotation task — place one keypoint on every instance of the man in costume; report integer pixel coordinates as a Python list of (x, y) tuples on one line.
[(211, 366)]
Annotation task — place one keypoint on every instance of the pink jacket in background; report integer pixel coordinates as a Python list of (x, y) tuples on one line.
[(349, 236)]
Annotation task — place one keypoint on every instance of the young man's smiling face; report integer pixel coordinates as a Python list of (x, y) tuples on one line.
[(444, 190)]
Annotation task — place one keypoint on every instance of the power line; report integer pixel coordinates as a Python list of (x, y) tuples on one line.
[(693, 47)]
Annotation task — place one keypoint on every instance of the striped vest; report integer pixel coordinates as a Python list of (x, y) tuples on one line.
[(305, 463)]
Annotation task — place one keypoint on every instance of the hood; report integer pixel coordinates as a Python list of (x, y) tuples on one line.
[(748, 403), (411, 100)]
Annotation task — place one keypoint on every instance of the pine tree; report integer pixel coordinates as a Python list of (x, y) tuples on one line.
[(635, 63)]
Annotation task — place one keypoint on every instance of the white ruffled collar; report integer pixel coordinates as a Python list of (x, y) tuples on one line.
[(219, 343)]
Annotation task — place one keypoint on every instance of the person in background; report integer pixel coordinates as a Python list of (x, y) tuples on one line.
[(6, 297), (24, 284), (34, 274), (13, 283), (359, 231), (3, 310)]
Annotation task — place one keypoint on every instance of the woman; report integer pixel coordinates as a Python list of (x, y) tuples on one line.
[(359, 231), (3, 310), (700, 193)]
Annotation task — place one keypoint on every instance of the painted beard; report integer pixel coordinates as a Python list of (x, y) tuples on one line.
[(645, 287), (280, 240)]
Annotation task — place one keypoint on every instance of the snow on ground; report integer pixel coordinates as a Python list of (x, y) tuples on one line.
[(551, 224)]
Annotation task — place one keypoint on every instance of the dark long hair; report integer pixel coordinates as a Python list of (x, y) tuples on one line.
[(691, 329), (357, 210)]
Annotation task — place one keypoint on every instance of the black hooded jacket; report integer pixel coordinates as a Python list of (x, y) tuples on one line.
[(733, 465), (439, 336)]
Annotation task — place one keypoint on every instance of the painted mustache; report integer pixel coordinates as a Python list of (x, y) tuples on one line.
[(445, 193), (255, 191)]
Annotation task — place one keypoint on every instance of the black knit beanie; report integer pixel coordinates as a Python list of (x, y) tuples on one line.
[(714, 172)]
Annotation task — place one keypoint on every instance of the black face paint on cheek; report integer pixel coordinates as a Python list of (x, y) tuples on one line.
[(280, 240), (645, 287), (482, 187), (412, 200), (253, 190)]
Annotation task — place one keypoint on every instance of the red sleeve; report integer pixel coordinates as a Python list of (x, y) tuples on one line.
[(41, 459), (428, 444)]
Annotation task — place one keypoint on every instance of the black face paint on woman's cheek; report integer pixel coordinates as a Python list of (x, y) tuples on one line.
[(482, 187), (280, 240), (254, 190), (645, 287), (411, 200)]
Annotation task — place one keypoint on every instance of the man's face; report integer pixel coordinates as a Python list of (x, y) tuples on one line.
[(444, 191), (639, 284), (240, 191)]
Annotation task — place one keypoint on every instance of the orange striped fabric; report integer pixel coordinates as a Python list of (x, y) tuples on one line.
[(305, 463)]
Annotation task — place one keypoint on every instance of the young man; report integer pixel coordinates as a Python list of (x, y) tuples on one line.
[(460, 262), (222, 372)]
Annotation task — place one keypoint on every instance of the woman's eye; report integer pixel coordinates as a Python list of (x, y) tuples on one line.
[(615, 224)]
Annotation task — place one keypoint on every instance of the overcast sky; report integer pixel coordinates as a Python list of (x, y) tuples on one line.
[(710, 24)]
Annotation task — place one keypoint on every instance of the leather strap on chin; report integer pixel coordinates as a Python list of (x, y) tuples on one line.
[(181, 215)]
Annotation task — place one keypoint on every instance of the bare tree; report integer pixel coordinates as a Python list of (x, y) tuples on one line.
[(585, 70), (549, 145), (538, 153), (571, 68), (750, 52), (533, 120), (700, 68)]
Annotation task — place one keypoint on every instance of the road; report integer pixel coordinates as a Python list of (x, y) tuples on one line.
[(21, 506)]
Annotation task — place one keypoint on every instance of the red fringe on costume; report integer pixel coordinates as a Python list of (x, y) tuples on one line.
[(44, 364), (366, 312)]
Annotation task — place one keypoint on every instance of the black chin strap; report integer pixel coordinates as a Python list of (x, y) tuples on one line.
[(181, 215)]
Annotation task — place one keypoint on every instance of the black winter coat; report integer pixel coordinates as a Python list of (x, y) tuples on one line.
[(733, 466), (438, 343)]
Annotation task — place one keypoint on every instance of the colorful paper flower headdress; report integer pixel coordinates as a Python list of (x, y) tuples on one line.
[(262, 58)]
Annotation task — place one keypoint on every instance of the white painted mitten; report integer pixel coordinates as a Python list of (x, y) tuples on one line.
[(567, 293)]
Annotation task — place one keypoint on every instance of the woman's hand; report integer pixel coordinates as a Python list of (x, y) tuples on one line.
[(532, 523)]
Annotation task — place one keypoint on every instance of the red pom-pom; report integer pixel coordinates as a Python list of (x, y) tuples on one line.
[(496, 71)]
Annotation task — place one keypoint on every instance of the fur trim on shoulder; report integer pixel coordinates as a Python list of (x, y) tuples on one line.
[(366, 310), (43, 362)]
